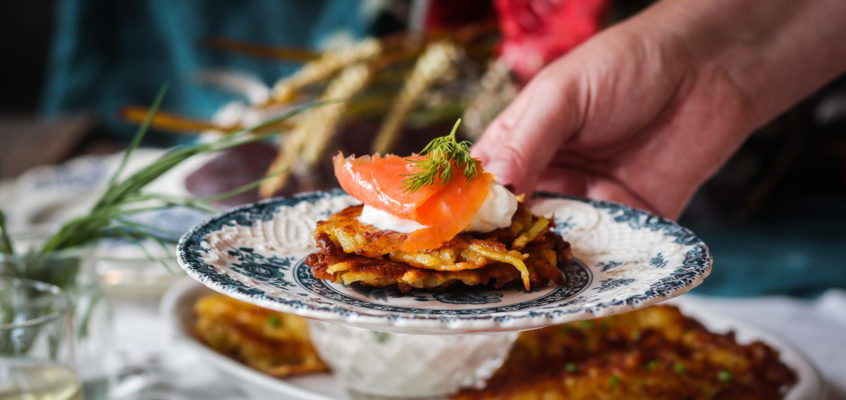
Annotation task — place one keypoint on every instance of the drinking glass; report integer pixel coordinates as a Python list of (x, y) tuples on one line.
[(74, 271), (37, 339)]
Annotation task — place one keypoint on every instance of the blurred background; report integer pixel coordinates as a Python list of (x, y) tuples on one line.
[(80, 74)]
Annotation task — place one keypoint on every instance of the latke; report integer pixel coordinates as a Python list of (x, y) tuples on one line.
[(527, 252), (272, 342), (652, 353)]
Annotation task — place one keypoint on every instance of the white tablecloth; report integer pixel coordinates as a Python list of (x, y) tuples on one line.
[(815, 327)]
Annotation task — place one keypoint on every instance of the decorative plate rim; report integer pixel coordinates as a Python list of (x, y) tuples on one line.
[(701, 262)]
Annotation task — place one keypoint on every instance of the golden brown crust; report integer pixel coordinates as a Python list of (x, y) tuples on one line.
[(332, 264), (351, 252), (272, 342), (653, 353)]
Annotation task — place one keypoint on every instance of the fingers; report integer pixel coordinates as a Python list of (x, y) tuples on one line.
[(584, 183), (522, 140), (614, 191)]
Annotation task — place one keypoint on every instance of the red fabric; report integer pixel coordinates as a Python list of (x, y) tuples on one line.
[(535, 32)]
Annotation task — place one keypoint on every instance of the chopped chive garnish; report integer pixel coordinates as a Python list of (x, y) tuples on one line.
[(381, 337), (613, 380)]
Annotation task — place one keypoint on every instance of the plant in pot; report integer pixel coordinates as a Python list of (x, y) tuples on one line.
[(65, 258)]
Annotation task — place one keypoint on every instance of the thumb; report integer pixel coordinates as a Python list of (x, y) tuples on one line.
[(519, 144)]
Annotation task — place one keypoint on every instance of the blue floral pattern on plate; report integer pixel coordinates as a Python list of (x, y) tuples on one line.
[(625, 259)]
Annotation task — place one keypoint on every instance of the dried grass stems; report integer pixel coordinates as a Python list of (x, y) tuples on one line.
[(410, 80), (434, 63), (323, 68), (308, 140)]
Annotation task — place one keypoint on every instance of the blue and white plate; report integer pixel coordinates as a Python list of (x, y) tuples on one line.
[(625, 259)]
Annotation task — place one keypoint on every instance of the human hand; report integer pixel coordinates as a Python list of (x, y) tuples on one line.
[(646, 111)]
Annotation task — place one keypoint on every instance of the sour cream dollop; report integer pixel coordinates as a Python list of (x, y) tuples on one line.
[(496, 212)]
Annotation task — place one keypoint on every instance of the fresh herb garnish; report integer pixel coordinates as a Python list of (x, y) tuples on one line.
[(613, 380), (571, 368), (651, 365), (381, 337), (273, 321), (724, 376), (586, 324), (436, 166)]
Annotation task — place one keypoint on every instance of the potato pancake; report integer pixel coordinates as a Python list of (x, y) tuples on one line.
[(271, 342), (353, 252), (653, 353)]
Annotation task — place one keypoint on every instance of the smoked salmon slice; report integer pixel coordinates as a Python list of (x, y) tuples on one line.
[(446, 209)]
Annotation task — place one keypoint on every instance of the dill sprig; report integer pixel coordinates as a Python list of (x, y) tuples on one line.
[(437, 165)]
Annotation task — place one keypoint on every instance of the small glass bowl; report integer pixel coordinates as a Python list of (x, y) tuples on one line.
[(375, 364)]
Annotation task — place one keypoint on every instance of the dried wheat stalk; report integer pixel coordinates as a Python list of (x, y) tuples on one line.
[(307, 141), (324, 67), (350, 82), (495, 90), (435, 61)]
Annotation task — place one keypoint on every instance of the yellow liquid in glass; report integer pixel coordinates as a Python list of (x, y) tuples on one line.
[(29, 380)]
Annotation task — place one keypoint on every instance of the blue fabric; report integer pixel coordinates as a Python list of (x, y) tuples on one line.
[(794, 255), (107, 54)]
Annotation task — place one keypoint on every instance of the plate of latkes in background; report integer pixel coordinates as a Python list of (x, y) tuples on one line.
[(623, 259), (179, 310)]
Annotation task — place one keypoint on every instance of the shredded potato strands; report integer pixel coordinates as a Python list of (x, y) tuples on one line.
[(457, 255), (269, 341)]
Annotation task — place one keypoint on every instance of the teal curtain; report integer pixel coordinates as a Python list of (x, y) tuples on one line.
[(107, 54), (800, 251)]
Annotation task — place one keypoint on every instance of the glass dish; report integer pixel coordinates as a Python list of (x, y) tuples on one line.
[(379, 365)]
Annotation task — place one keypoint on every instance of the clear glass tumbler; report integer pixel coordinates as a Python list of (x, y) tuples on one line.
[(37, 340), (73, 271)]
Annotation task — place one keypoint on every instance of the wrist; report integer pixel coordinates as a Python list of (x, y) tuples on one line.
[(774, 53)]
